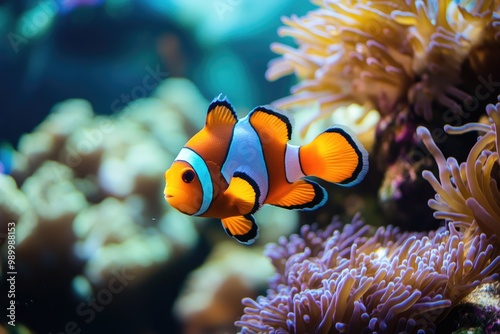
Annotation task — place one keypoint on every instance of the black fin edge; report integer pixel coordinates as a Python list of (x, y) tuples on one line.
[(248, 238), (255, 187), (360, 151), (320, 198), (222, 100), (270, 111)]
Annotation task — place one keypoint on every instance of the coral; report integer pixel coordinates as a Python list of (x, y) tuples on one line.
[(52, 193), (354, 116), (15, 207), (350, 281), (46, 141), (87, 189), (386, 55), (479, 312), (468, 192), (111, 234), (211, 297), (401, 184)]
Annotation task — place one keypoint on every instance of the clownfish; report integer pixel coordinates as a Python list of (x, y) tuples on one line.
[(232, 167)]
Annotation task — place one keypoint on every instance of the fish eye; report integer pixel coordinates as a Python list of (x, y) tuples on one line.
[(188, 176)]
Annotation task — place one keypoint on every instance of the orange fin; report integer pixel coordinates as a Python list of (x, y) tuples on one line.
[(242, 228), (220, 112), (244, 192), (335, 156), (266, 117), (303, 195)]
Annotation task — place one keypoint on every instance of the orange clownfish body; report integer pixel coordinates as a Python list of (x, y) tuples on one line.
[(232, 167)]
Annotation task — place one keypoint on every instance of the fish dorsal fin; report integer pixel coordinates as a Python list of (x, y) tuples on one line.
[(302, 195), (277, 121), (243, 192), (220, 112), (242, 228)]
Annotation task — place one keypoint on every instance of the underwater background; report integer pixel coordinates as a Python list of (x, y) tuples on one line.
[(98, 97)]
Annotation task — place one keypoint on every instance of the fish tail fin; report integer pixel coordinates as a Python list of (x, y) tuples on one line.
[(335, 156)]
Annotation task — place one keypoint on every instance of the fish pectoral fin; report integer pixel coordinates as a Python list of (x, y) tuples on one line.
[(277, 122), (303, 195), (242, 228), (220, 112), (244, 193)]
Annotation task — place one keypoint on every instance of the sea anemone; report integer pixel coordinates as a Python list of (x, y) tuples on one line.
[(383, 54), (468, 192), (350, 281)]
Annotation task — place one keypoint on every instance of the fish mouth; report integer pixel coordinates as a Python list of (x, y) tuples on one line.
[(169, 196)]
